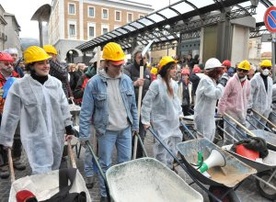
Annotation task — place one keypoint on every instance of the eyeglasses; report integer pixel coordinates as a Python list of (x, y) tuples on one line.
[(269, 68), (242, 70)]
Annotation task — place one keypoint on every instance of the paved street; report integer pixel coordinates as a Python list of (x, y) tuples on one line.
[(247, 192)]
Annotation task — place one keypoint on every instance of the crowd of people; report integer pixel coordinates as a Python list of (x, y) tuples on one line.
[(36, 91)]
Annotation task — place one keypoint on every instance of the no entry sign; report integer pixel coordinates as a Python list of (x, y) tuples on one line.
[(270, 19)]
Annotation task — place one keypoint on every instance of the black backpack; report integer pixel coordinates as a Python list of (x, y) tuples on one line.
[(63, 194)]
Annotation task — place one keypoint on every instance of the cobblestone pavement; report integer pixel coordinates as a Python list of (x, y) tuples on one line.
[(247, 191)]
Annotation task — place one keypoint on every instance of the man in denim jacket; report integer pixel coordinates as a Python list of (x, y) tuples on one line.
[(109, 103)]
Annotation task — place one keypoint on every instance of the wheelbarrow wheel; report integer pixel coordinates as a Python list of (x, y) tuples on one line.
[(219, 191), (264, 189)]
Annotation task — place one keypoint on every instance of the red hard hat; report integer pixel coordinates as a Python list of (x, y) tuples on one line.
[(5, 57), (226, 63), (24, 195), (196, 69), (185, 71)]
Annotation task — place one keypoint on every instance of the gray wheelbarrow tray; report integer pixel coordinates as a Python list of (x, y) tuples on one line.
[(269, 137), (230, 175), (147, 179)]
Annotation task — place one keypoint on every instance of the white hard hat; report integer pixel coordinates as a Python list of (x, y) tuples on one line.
[(212, 63), (12, 51)]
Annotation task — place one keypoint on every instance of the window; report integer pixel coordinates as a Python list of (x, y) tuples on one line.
[(72, 30), (104, 13), (129, 17), (91, 31), (105, 28), (72, 9), (117, 15), (141, 16), (91, 11)]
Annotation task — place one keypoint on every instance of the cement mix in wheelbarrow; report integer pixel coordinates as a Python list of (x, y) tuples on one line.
[(147, 179)]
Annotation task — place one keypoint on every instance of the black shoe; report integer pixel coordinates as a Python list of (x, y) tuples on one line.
[(104, 199), (89, 182), (4, 174), (18, 165)]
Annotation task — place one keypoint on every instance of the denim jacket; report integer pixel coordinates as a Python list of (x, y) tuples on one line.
[(94, 106)]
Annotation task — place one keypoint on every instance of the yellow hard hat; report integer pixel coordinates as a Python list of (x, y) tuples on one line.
[(266, 63), (165, 60), (154, 70), (35, 54), (245, 65), (114, 52), (50, 49)]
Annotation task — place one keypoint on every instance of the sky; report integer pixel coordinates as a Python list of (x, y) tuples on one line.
[(24, 10)]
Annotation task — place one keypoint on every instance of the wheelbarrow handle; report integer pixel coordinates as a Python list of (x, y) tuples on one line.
[(90, 147), (266, 119), (11, 165), (242, 126), (260, 122), (71, 155), (138, 138), (187, 129)]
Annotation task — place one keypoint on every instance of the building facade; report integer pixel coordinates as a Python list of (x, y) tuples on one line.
[(72, 22), (9, 30)]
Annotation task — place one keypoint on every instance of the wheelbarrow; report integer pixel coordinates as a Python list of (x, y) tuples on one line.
[(144, 179), (46, 185), (200, 179), (266, 172), (226, 178), (147, 179)]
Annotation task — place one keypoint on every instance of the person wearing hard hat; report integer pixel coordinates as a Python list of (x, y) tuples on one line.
[(14, 53), (7, 77), (261, 95), (161, 109), (133, 71), (185, 91), (207, 94), (234, 101), (229, 69), (38, 102), (109, 102), (153, 73), (58, 70)]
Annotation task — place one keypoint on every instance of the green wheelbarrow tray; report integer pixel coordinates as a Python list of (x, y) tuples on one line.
[(229, 175), (147, 179)]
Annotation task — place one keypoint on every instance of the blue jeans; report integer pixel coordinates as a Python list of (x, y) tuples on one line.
[(122, 140), (89, 165)]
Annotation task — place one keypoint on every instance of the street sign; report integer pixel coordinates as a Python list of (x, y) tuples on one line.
[(270, 19)]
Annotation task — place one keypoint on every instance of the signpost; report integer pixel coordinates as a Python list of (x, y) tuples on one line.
[(270, 24)]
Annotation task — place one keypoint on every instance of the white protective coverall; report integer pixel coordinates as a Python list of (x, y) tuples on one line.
[(207, 94), (162, 112), (43, 112), (260, 99)]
